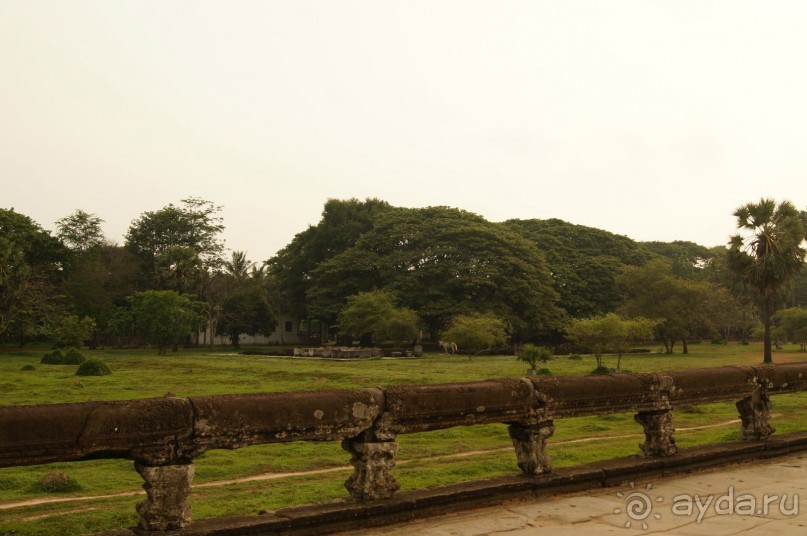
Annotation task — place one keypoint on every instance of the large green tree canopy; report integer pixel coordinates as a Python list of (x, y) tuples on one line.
[(442, 262), (342, 223), (584, 262), (176, 242)]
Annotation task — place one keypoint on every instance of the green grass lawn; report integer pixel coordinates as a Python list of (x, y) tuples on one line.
[(422, 458)]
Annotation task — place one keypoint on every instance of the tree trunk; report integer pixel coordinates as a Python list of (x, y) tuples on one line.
[(686, 347)]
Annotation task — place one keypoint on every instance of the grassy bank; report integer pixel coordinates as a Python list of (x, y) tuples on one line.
[(422, 459)]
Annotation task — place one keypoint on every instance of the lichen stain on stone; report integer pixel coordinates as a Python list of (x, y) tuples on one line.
[(363, 411), (480, 409), (319, 414)]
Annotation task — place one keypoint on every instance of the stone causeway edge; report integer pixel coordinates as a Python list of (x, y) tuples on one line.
[(352, 514)]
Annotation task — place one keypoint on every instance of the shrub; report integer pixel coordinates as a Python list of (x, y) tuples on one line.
[(602, 370), (93, 367), (73, 357), (544, 372), (28, 367), (56, 483), (575, 357), (532, 354), (55, 357)]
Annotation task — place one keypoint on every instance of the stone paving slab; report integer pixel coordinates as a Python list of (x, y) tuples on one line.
[(606, 511)]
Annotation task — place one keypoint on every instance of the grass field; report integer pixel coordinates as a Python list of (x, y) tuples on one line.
[(299, 473)]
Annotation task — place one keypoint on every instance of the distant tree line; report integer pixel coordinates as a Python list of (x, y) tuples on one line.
[(373, 272)]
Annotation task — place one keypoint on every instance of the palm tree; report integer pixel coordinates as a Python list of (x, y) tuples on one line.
[(768, 255), (239, 266)]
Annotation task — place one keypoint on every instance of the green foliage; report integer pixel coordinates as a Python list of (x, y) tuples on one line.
[(684, 308), (374, 316), (610, 333), (43, 253), (602, 370), (442, 262), (476, 332), (532, 355), (164, 316), (688, 260), (73, 357), (28, 367), (343, 223), (59, 357), (27, 291), (584, 262), (72, 331), (93, 367), (175, 243), (766, 254), (56, 357), (791, 325), (544, 372), (575, 357), (80, 231)]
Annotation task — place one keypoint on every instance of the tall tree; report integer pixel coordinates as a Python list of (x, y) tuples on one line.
[(164, 316), (245, 306), (191, 230), (341, 225), (80, 231), (34, 263), (682, 306), (766, 254)]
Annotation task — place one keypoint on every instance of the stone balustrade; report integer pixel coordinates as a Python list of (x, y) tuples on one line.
[(163, 436)]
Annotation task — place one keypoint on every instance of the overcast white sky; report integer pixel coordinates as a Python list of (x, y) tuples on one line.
[(652, 119)]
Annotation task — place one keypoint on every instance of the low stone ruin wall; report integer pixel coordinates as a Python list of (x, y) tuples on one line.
[(339, 352)]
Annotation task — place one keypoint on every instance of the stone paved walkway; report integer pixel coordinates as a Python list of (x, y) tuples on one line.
[(660, 506)]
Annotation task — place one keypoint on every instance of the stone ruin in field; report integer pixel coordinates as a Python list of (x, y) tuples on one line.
[(339, 352)]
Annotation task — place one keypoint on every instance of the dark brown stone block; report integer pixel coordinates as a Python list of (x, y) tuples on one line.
[(234, 421)]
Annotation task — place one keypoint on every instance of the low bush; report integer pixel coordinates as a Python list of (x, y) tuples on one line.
[(28, 367), (56, 483), (55, 357), (93, 367), (575, 357), (601, 370), (73, 357), (58, 357)]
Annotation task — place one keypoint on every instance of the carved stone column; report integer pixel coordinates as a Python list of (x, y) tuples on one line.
[(167, 490), (658, 432), (755, 413), (530, 444), (372, 462)]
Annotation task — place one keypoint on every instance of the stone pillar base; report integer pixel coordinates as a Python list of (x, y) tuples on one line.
[(530, 444), (167, 488), (372, 462), (755, 413), (658, 433)]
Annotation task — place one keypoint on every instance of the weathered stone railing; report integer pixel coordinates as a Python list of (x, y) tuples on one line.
[(163, 436)]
